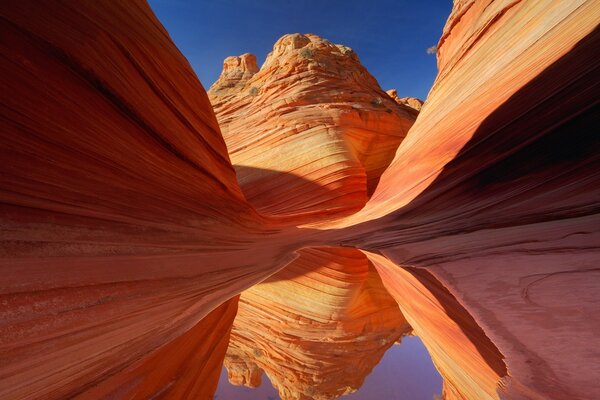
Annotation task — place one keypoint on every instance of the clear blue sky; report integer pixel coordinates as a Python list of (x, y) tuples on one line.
[(389, 36)]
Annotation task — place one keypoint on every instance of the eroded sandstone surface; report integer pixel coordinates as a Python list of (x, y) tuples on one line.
[(126, 238), (310, 128)]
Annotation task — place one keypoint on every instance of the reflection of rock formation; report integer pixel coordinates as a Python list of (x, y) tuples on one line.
[(123, 226), (186, 368), (465, 357), (317, 328), (495, 189), (315, 112)]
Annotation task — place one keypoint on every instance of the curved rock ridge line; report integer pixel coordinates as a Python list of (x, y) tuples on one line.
[(317, 328), (490, 50), (189, 365), (122, 225), (310, 132), (118, 153), (123, 229)]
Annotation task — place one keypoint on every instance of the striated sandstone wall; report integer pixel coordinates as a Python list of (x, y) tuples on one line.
[(123, 227)]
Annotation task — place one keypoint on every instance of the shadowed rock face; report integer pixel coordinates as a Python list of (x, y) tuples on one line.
[(316, 328), (312, 111), (125, 237)]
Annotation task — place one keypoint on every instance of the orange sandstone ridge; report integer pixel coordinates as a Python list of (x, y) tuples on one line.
[(126, 238), (311, 128)]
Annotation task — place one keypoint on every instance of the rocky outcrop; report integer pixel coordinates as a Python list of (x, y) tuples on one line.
[(316, 328), (236, 72), (309, 133), (411, 102)]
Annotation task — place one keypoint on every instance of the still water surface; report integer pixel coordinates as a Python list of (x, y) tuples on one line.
[(404, 372)]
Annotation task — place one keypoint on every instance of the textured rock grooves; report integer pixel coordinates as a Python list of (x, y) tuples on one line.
[(126, 238), (309, 133)]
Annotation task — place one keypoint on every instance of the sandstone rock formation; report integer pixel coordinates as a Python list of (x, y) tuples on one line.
[(311, 128), (411, 102), (125, 237), (495, 189), (316, 328), (122, 224)]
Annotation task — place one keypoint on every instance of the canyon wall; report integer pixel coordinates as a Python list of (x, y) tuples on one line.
[(121, 221), (496, 188), (125, 237)]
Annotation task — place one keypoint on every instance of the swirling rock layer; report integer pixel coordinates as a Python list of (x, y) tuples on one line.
[(495, 189), (311, 131), (124, 233), (122, 224)]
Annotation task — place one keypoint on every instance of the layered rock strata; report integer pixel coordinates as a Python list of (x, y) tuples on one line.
[(309, 133), (495, 190), (123, 227)]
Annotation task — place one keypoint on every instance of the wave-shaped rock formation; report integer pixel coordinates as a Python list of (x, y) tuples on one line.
[(316, 328), (496, 188), (310, 128), (126, 238)]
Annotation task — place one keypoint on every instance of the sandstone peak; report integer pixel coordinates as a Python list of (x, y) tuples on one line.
[(309, 90), (309, 47)]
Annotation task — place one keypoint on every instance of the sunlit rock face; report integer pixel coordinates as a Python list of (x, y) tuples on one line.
[(316, 328), (122, 225), (311, 128), (125, 237), (491, 192)]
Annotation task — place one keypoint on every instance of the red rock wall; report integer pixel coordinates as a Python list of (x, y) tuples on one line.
[(122, 224), (123, 227), (189, 367), (495, 188)]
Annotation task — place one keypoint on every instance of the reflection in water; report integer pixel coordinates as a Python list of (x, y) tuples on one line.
[(319, 327), (404, 372)]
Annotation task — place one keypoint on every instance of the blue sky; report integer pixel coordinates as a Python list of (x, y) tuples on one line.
[(389, 36)]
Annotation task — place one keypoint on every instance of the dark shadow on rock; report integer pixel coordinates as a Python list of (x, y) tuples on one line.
[(292, 198), (538, 149)]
